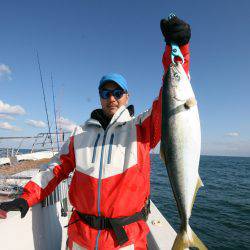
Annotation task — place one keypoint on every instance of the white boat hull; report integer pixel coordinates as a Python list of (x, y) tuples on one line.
[(43, 228)]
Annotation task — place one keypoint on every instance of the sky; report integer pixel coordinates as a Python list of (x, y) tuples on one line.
[(79, 41)]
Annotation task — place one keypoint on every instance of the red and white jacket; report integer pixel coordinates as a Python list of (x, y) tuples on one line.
[(111, 172)]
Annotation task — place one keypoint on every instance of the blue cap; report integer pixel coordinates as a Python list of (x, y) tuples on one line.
[(113, 77)]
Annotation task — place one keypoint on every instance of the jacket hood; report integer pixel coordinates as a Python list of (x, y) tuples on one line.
[(123, 114)]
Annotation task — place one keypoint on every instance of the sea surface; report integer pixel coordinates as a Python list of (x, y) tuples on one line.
[(4, 152), (221, 212)]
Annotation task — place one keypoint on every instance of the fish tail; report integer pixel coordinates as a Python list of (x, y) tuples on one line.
[(187, 238)]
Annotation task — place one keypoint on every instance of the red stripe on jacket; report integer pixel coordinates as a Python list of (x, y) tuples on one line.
[(34, 194)]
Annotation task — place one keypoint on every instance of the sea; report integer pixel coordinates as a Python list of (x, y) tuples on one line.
[(221, 212)]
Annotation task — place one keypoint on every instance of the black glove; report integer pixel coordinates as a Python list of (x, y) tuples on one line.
[(175, 31), (18, 204)]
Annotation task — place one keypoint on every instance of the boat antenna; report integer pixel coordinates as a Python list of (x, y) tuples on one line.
[(44, 99), (57, 139)]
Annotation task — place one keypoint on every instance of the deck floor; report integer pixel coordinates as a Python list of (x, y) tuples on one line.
[(13, 169), (22, 166)]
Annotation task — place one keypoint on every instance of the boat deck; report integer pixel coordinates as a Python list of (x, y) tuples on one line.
[(44, 221), (41, 224)]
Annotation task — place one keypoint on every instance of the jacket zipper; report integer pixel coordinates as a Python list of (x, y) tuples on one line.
[(99, 186), (110, 148), (100, 179), (95, 146)]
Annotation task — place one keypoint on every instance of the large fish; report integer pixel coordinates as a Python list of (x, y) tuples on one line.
[(180, 148)]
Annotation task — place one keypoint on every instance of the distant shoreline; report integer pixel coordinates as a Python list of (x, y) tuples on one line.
[(234, 156)]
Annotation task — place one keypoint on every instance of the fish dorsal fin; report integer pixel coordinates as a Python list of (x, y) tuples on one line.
[(162, 155), (190, 103)]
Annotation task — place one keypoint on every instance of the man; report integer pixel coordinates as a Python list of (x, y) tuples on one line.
[(110, 158)]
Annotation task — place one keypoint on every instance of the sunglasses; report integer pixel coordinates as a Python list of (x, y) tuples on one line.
[(117, 93)]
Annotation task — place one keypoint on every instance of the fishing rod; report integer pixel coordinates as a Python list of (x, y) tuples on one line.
[(57, 139), (60, 94), (44, 99), (57, 192)]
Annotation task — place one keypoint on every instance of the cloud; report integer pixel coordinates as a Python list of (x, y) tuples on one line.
[(66, 124), (8, 109), (8, 117), (232, 134), (5, 71), (7, 126), (36, 124), (235, 147)]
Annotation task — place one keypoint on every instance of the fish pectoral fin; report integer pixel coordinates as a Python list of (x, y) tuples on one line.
[(187, 238), (198, 185), (190, 103)]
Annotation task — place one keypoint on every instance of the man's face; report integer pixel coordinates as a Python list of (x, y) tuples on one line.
[(111, 105)]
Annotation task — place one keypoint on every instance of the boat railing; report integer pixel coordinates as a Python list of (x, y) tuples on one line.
[(40, 142)]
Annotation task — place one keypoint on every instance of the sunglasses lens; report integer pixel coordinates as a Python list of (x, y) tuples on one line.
[(104, 94), (118, 93)]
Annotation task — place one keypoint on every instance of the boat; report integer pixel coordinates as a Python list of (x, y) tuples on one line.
[(47, 220), (41, 224)]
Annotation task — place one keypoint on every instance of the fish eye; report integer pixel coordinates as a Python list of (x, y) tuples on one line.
[(177, 76)]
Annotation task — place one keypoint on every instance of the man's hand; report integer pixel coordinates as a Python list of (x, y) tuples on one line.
[(175, 31), (18, 204)]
